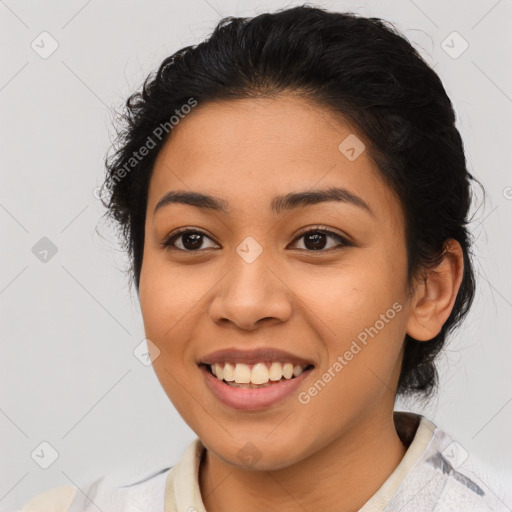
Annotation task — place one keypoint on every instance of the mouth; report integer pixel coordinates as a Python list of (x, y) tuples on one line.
[(255, 376), (253, 387)]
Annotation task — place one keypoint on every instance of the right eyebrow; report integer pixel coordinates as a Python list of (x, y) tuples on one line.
[(197, 199)]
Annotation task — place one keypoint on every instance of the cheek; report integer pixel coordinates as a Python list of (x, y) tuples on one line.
[(162, 308), (350, 298), (172, 301), (359, 311), (359, 317), (166, 294)]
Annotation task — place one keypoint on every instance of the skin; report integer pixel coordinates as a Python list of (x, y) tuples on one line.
[(311, 303)]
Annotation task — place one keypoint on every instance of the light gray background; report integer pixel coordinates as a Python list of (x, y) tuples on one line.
[(69, 326)]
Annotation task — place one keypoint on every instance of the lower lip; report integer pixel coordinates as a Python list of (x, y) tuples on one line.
[(252, 399)]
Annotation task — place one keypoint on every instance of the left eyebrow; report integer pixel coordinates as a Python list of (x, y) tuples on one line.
[(278, 204), (310, 197)]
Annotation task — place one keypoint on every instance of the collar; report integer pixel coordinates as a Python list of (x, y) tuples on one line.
[(182, 492)]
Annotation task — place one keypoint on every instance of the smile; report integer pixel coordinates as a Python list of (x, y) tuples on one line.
[(250, 396), (257, 375)]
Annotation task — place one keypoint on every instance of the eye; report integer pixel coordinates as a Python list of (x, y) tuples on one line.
[(191, 240), (315, 239)]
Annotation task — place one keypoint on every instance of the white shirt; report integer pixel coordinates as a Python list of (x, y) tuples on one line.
[(436, 474)]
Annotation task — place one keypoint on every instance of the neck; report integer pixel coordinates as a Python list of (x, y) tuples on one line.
[(343, 475)]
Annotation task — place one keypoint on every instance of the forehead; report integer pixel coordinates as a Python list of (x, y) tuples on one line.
[(248, 151)]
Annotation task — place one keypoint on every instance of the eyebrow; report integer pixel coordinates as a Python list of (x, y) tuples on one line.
[(285, 202)]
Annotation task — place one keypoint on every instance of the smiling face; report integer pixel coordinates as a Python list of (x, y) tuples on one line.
[(322, 280)]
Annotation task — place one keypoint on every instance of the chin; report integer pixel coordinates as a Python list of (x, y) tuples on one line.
[(256, 453)]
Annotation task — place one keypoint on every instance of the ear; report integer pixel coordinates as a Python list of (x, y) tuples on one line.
[(435, 295)]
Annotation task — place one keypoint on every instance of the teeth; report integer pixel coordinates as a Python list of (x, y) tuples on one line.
[(259, 373), (288, 370), (229, 372), (218, 371), (242, 374), (276, 371)]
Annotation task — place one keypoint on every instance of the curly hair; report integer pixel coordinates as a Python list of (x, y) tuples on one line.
[(361, 68)]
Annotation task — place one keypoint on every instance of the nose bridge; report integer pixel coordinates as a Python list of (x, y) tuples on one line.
[(251, 291)]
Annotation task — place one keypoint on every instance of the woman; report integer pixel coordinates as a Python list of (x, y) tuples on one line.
[(293, 196)]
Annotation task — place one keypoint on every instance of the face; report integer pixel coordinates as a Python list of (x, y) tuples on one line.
[(317, 284)]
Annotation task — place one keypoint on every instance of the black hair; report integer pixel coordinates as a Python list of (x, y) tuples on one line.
[(361, 68)]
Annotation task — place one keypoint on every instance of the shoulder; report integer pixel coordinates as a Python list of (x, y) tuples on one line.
[(480, 483), (467, 476), (448, 477), (57, 499), (143, 492)]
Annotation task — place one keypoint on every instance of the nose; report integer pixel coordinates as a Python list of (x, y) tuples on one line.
[(250, 295)]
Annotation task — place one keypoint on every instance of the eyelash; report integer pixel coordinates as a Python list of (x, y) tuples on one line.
[(169, 241)]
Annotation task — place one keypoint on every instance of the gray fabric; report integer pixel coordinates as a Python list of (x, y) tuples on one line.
[(444, 479), (102, 496)]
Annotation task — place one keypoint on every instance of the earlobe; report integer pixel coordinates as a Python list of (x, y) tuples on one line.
[(434, 296)]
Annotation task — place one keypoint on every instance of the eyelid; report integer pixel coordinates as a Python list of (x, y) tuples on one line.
[(326, 230)]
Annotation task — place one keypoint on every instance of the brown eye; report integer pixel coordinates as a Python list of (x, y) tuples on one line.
[(191, 240), (316, 240)]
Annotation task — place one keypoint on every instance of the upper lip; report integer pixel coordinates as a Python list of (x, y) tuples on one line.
[(253, 356)]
